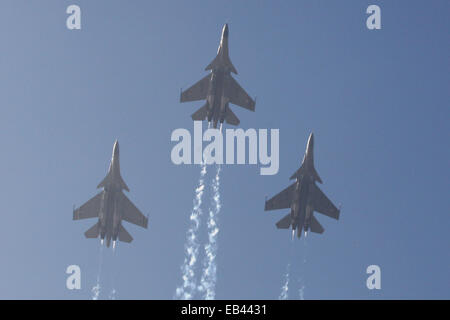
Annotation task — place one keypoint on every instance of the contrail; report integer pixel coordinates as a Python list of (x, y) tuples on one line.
[(209, 276), (187, 289), (285, 288), (96, 288)]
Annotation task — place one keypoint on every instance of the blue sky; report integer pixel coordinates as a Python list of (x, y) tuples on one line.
[(377, 101)]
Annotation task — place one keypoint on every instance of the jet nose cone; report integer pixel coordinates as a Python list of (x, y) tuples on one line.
[(310, 144), (116, 148), (311, 139), (225, 31)]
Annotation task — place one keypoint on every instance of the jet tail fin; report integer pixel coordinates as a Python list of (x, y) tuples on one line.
[(201, 113), (124, 236), (284, 223), (93, 232)]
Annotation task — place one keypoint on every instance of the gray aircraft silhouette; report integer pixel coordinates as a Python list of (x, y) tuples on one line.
[(303, 197), (219, 89), (111, 206)]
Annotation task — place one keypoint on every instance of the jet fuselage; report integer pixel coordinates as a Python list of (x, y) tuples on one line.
[(110, 215), (301, 211), (217, 101), (216, 98)]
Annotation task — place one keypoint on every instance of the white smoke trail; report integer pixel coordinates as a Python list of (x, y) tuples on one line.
[(209, 275), (96, 288), (301, 291), (285, 288), (112, 295), (298, 273), (187, 289)]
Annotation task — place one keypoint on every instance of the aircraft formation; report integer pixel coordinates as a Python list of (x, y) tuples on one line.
[(219, 89)]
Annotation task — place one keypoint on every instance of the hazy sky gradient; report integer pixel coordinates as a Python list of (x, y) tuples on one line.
[(377, 101)]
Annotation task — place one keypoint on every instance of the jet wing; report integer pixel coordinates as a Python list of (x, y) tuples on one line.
[(197, 92), (90, 209), (131, 213), (282, 200), (238, 96), (322, 204)]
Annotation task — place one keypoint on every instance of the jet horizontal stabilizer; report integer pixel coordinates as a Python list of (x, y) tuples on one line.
[(231, 118), (315, 226), (201, 113), (93, 232), (284, 223), (124, 236)]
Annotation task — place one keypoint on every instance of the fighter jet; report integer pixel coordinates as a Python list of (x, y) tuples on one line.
[(219, 89), (111, 206), (303, 197)]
